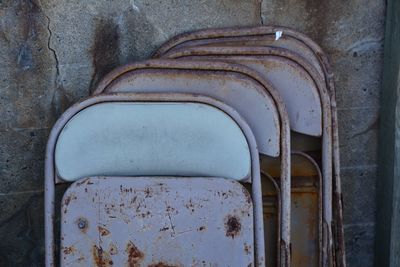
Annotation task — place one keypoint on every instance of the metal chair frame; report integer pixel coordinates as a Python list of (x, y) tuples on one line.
[(51, 177), (126, 74), (311, 52)]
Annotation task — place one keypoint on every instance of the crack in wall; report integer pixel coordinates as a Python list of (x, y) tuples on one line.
[(373, 126), (51, 48), (53, 51), (260, 11)]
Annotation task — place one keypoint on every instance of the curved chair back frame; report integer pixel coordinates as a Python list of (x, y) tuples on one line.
[(106, 85), (51, 179), (233, 88), (250, 56), (310, 51)]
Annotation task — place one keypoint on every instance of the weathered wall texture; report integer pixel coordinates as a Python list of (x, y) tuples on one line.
[(351, 33), (52, 53)]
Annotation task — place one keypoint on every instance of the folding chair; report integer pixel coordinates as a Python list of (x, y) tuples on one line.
[(308, 106), (237, 86), (155, 181), (281, 37)]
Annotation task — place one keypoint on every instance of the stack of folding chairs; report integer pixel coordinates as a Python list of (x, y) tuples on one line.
[(220, 151)]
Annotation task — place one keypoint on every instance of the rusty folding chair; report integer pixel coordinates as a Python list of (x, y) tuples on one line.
[(237, 86), (281, 37), (308, 106), (134, 201)]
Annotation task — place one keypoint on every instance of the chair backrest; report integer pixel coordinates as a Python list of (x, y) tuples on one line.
[(307, 100), (296, 81), (227, 83), (233, 84), (254, 36), (152, 138), (282, 37)]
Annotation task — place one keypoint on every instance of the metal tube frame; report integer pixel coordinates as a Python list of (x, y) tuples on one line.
[(256, 52), (50, 174), (284, 257), (325, 70)]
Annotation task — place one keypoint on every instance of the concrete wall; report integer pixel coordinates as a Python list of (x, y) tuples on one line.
[(52, 53), (351, 33)]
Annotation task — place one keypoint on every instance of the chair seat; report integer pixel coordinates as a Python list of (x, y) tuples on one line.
[(150, 221)]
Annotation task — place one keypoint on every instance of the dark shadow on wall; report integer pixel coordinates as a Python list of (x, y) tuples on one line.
[(105, 50)]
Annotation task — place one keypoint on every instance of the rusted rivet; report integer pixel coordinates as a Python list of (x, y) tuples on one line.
[(82, 223)]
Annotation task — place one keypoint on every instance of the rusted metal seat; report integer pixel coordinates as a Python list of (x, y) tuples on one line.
[(110, 220), (157, 221), (281, 37), (236, 85), (307, 102)]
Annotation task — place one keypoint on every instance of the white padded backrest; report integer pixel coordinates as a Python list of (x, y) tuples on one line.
[(153, 138)]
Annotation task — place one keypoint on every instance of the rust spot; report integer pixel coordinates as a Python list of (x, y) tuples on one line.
[(169, 209), (247, 195), (67, 200), (125, 189), (148, 192), (232, 226), (113, 249), (190, 206), (101, 257), (103, 231), (82, 182), (247, 249), (164, 229), (135, 256), (146, 214), (68, 250), (162, 264)]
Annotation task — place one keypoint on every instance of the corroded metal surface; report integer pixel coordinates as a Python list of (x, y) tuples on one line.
[(254, 36), (124, 79), (51, 178), (145, 221), (306, 224), (271, 211), (282, 37), (308, 104)]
